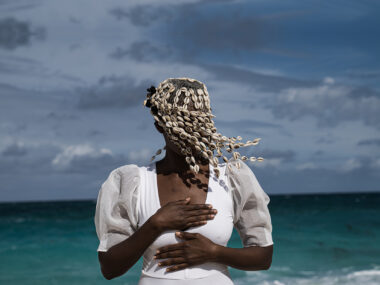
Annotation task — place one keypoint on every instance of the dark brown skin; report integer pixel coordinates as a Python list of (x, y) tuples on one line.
[(183, 197)]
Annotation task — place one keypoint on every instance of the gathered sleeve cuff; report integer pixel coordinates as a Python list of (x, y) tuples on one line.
[(116, 216), (252, 219)]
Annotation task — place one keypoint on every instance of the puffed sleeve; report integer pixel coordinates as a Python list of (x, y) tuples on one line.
[(116, 215), (252, 219)]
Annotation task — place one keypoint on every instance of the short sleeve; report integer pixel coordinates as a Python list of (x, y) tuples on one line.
[(116, 208), (252, 219)]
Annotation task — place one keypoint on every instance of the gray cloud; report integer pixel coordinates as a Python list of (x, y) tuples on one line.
[(45, 158), (289, 180), (14, 149), (15, 6), (54, 115), (15, 33), (330, 104), (50, 172), (214, 32), (259, 81), (113, 92), (247, 123), (374, 141), (363, 74), (17, 159), (363, 92), (142, 51), (285, 155), (143, 15), (273, 158), (325, 140), (247, 126), (318, 153), (91, 161)]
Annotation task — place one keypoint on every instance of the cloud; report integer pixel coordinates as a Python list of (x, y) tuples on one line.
[(46, 158), (14, 149), (143, 51), (15, 33), (306, 165), (329, 103), (215, 27), (113, 92), (261, 82), (360, 164), (374, 141), (85, 159), (274, 159), (142, 15), (247, 123), (21, 158), (363, 74)]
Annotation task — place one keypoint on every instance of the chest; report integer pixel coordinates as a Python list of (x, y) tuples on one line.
[(215, 192), (174, 187)]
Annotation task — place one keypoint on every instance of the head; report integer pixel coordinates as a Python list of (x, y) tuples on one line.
[(182, 113)]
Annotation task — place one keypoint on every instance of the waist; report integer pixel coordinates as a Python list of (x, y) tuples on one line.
[(193, 272)]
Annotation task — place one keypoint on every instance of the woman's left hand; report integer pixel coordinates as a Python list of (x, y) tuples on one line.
[(196, 249)]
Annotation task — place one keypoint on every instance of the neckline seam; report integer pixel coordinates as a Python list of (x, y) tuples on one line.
[(155, 182)]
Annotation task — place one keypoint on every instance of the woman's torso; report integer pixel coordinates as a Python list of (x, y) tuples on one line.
[(218, 230)]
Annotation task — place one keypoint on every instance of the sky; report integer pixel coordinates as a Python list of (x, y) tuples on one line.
[(301, 75)]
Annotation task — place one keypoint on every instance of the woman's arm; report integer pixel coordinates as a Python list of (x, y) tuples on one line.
[(121, 257), (197, 249), (247, 258), (174, 215)]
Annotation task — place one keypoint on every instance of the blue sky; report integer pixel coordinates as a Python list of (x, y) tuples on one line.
[(302, 76)]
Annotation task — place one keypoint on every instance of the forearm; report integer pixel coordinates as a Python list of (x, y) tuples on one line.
[(122, 256), (247, 258)]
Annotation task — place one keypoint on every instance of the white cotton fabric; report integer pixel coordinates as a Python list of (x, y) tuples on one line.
[(218, 230), (129, 196)]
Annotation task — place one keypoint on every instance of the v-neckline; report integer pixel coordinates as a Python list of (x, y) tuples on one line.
[(155, 176)]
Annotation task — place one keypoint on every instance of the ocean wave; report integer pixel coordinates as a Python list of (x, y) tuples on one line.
[(344, 276)]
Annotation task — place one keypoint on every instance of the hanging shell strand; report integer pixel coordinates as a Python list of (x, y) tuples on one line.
[(158, 152), (185, 115)]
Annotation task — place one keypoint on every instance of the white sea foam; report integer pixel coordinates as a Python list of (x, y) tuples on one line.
[(339, 277)]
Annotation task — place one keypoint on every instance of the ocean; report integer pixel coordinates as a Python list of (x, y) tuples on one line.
[(318, 239)]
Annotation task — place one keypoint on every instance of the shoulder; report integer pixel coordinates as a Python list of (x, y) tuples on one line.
[(243, 181), (238, 169), (127, 171), (124, 177)]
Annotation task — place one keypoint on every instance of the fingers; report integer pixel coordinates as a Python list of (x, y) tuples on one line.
[(191, 207), (202, 212), (177, 267), (169, 254), (183, 202), (200, 218), (171, 247), (195, 224), (171, 261), (186, 235)]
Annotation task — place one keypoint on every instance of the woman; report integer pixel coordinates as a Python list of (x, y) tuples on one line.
[(179, 213)]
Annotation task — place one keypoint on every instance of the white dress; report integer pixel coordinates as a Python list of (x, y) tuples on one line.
[(129, 197)]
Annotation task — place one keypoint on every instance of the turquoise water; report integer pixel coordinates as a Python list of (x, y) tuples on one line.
[(319, 239)]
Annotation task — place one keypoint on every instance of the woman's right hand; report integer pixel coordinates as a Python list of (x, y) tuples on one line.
[(180, 215)]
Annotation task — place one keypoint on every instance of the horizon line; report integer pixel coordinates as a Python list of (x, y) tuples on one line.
[(274, 194)]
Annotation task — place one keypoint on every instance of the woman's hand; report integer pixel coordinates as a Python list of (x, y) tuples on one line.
[(180, 215), (196, 249)]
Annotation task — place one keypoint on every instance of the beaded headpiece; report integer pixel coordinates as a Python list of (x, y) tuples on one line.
[(181, 106)]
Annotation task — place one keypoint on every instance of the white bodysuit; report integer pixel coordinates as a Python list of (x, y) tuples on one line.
[(218, 230), (130, 196)]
